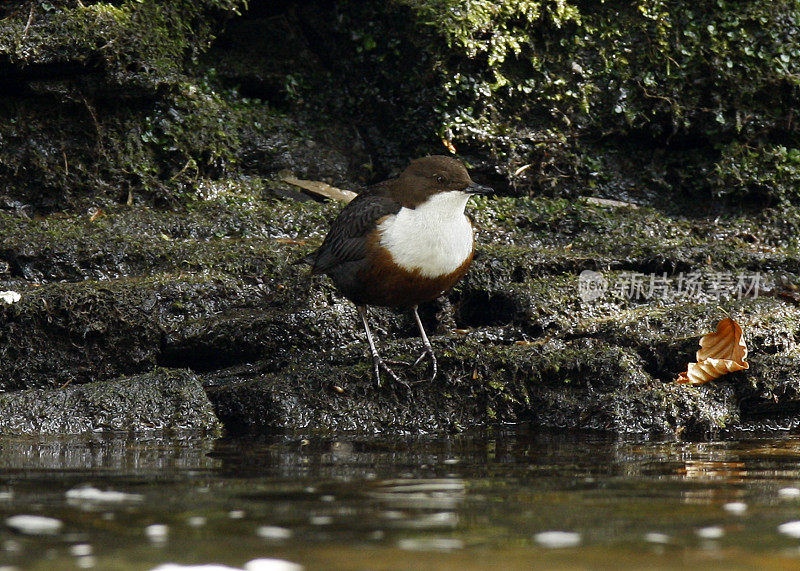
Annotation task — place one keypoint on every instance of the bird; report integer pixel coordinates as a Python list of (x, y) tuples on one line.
[(400, 243)]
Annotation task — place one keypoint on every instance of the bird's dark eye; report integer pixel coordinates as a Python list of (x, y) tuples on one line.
[(441, 179)]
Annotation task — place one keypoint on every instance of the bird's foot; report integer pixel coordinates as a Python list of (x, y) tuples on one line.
[(428, 351), (380, 365)]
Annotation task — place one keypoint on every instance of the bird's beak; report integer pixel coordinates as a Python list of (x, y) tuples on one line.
[(475, 188)]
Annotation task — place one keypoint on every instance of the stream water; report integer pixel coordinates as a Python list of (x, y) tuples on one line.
[(484, 500)]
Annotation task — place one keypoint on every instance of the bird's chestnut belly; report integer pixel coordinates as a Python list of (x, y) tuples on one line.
[(384, 283)]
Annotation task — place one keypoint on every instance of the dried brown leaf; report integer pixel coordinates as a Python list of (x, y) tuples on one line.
[(720, 353), (318, 187)]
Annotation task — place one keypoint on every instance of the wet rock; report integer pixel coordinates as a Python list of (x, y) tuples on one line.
[(538, 352), (133, 289), (579, 384), (91, 331), (160, 400)]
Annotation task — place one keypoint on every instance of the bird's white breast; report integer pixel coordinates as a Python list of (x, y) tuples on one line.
[(434, 238)]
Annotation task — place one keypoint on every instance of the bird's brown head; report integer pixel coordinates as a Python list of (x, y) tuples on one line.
[(432, 175)]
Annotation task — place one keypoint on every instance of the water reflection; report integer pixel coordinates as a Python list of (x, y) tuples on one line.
[(117, 454), (444, 502)]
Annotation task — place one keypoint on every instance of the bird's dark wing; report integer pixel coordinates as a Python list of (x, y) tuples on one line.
[(346, 241)]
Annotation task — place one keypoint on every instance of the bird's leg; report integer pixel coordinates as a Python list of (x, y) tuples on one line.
[(377, 362), (428, 350)]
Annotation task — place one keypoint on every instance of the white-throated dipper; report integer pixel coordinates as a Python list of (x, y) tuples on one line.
[(402, 242)]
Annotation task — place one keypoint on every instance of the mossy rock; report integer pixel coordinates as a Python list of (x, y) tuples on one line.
[(162, 400), (134, 45), (582, 384), (212, 288), (104, 103)]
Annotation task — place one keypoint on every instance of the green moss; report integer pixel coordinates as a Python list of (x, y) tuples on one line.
[(581, 235), (194, 135), (640, 63), (215, 236), (564, 97), (770, 172), (135, 43), (646, 100), (69, 142)]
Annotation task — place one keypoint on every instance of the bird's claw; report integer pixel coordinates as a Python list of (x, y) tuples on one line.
[(379, 364), (428, 351)]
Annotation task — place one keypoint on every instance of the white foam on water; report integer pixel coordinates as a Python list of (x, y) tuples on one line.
[(157, 532), (34, 524), (272, 565), (655, 537), (273, 532), (558, 539), (790, 528), (89, 494), (737, 508), (196, 521), (710, 532), (80, 550)]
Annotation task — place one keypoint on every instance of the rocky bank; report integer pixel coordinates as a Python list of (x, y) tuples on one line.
[(146, 227)]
